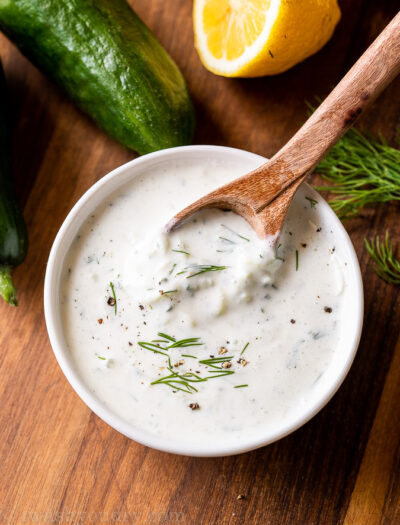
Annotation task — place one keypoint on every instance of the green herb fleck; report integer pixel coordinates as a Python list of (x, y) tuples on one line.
[(203, 268), (312, 202), (114, 297), (245, 346), (240, 386), (297, 260)]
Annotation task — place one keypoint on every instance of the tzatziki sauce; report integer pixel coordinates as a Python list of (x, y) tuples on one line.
[(208, 334)]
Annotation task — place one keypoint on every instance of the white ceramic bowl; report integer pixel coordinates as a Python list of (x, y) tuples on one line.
[(78, 215)]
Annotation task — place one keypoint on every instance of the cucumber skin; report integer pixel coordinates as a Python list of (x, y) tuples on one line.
[(13, 235), (109, 63)]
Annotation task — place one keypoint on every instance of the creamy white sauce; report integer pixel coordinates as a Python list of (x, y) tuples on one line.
[(287, 307)]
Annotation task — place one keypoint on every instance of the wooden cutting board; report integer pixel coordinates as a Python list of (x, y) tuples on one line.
[(59, 463)]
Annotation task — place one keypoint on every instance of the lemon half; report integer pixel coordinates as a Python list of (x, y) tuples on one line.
[(252, 38)]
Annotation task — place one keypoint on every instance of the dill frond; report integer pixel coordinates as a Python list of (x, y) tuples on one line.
[(387, 266), (361, 170)]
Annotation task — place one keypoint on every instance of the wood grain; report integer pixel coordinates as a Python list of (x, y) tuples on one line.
[(59, 462)]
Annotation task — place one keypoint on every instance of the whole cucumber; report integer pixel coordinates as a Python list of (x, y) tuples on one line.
[(13, 236), (109, 63)]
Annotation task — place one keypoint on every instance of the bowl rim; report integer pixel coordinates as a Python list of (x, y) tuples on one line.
[(60, 350)]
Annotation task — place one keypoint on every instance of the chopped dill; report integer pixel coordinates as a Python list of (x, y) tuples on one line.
[(297, 260), (166, 342), (179, 381), (102, 358), (245, 346), (221, 373), (216, 366), (387, 266), (226, 240), (276, 253), (181, 251), (172, 269), (312, 202), (214, 361), (168, 291), (202, 268), (114, 297), (240, 386), (165, 336), (235, 233)]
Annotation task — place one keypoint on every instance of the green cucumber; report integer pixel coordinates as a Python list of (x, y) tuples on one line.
[(109, 63), (13, 236)]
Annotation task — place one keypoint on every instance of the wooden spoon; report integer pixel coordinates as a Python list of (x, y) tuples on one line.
[(263, 196)]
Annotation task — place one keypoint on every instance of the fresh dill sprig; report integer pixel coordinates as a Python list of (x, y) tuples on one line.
[(166, 342), (361, 170), (387, 266), (114, 297)]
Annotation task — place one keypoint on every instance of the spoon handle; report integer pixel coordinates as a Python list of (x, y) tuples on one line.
[(362, 84)]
